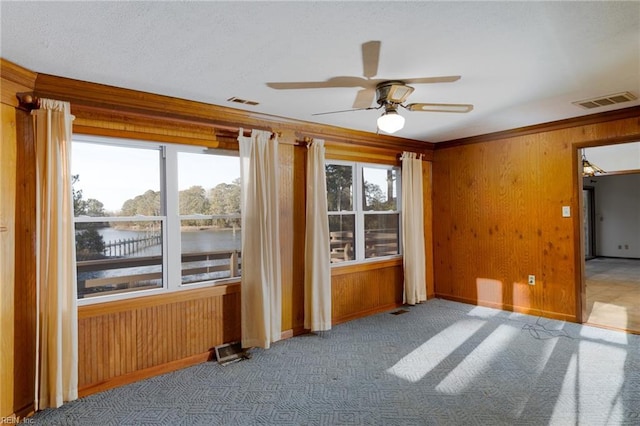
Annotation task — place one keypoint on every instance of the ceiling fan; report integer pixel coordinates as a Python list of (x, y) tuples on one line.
[(388, 94)]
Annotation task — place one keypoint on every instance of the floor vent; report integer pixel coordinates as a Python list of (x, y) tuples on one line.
[(242, 101), (230, 353), (399, 312), (616, 98)]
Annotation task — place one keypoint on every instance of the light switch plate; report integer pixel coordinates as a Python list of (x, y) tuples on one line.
[(566, 211)]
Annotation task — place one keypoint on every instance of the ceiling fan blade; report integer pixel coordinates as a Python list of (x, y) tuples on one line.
[(425, 80), (364, 98), (370, 58), (346, 110), (440, 107), (330, 83)]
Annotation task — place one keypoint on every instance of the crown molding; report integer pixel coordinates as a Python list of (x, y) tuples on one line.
[(15, 79), (619, 114)]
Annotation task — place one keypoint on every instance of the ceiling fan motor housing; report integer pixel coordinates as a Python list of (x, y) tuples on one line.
[(392, 92)]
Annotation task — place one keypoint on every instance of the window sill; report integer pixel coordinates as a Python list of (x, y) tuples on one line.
[(146, 301), (365, 265)]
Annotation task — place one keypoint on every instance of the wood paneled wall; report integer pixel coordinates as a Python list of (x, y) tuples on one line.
[(7, 270), (498, 215), (17, 245), (25, 308)]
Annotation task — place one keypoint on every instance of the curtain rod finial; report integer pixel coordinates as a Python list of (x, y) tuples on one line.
[(27, 101)]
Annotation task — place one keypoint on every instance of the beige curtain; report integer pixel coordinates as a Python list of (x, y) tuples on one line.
[(261, 310), (57, 326), (317, 273), (415, 284)]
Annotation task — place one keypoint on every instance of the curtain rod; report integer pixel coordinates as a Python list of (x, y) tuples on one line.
[(28, 102), (247, 132)]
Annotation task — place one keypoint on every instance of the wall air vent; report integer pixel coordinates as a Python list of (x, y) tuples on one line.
[(242, 101), (616, 98)]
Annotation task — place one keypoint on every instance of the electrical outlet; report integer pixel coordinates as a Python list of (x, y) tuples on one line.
[(532, 280)]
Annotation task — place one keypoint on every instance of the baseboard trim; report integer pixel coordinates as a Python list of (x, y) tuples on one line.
[(509, 307), (366, 313), (143, 374), (19, 415), (287, 334)]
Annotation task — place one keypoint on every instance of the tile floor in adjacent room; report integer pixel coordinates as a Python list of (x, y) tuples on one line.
[(613, 293)]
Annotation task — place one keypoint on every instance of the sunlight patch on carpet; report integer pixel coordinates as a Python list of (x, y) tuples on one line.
[(415, 365), (478, 361)]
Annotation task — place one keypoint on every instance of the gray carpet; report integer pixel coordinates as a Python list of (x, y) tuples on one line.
[(441, 363)]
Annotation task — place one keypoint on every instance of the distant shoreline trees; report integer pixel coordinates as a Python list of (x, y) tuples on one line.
[(89, 242), (221, 200)]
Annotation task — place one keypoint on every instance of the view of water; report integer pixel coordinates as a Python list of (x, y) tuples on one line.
[(192, 241)]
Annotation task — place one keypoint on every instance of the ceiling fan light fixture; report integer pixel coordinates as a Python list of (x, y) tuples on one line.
[(589, 169), (390, 121)]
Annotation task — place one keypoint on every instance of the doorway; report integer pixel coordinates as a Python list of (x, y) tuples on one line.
[(610, 235)]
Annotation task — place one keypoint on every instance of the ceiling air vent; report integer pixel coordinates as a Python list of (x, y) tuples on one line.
[(616, 98), (242, 101)]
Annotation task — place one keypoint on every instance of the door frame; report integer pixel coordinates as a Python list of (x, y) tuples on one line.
[(578, 223), (591, 226)]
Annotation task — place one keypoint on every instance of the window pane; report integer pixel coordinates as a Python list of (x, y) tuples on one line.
[(113, 180), (339, 187), (210, 249), (209, 185), (381, 235), (118, 257), (379, 192), (342, 237), (115, 257)]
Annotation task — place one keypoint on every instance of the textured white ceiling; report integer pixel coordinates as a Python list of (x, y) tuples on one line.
[(521, 63)]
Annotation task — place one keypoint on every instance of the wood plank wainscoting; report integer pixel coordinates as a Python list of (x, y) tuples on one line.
[(358, 291), (128, 340)]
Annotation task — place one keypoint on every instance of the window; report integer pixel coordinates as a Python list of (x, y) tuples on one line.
[(364, 213), (153, 217), (209, 212)]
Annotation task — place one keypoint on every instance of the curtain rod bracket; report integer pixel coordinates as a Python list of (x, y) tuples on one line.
[(306, 141), (27, 101)]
